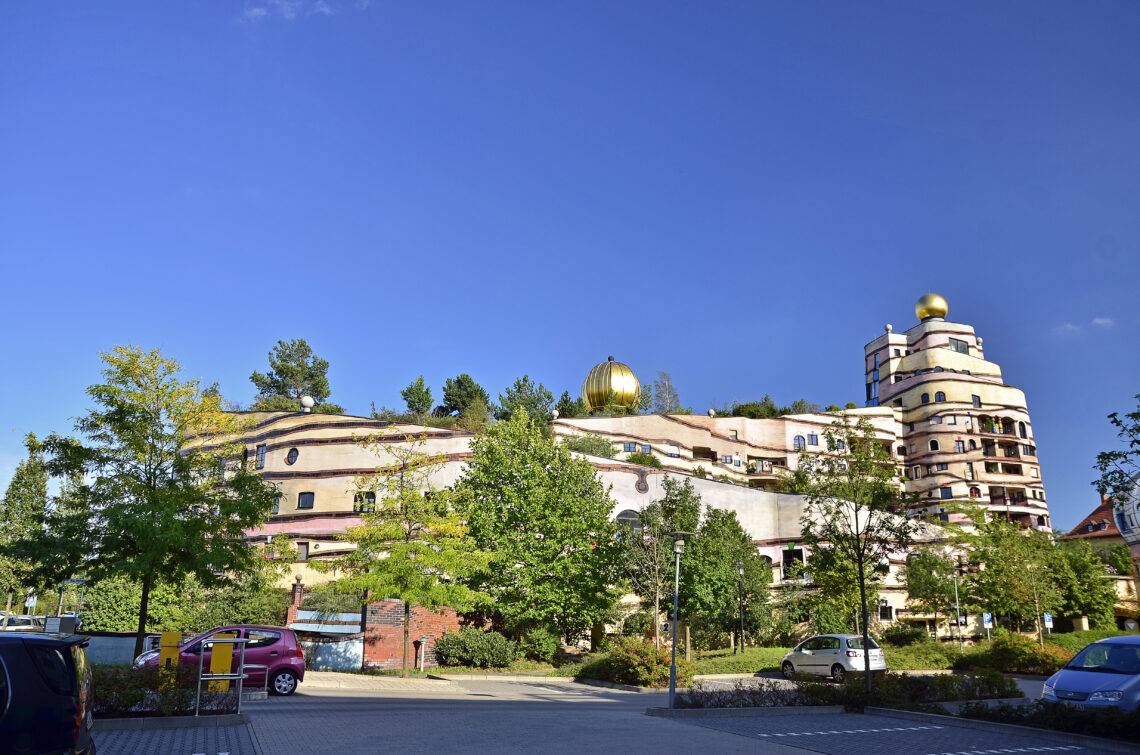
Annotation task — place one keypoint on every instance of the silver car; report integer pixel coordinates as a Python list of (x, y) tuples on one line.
[(831, 655), (1106, 674)]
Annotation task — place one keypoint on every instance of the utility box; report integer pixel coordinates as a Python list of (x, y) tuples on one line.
[(60, 624)]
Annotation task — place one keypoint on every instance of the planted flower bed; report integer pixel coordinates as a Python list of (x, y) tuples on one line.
[(124, 692)]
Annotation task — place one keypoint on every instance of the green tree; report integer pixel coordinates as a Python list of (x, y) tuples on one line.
[(417, 396), (929, 579), (294, 371), (1083, 580), (855, 506), (644, 459), (1014, 576), (568, 408), (594, 445), (1120, 469), (546, 515), (536, 400), (21, 511), (461, 393), (164, 494), (665, 398)]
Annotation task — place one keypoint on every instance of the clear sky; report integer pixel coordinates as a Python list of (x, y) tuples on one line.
[(738, 193)]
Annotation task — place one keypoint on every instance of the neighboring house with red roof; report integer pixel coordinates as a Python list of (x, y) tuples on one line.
[(1099, 527)]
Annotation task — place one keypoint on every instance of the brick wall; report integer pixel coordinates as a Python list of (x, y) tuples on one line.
[(382, 624)]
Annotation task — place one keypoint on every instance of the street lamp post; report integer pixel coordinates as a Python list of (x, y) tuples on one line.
[(959, 567), (678, 549), (740, 599)]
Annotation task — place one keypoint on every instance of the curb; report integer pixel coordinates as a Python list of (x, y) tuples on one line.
[(499, 678), (801, 710), (1097, 744), (169, 722)]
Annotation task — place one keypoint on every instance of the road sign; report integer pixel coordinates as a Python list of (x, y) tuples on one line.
[(75, 581), (665, 628), (988, 620), (1048, 620)]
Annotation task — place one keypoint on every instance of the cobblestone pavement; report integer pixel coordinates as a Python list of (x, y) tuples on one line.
[(215, 740), (335, 680), (854, 734)]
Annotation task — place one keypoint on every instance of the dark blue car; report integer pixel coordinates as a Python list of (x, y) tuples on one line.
[(1106, 674), (45, 694)]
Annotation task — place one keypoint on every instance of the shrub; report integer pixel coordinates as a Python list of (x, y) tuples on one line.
[(902, 634), (648, 460), (123, 692), (922, 656), (540, 644), (595, 445), (1107, 722), (1015, 654), (1075, 642), (475, 647), (631, 660), (750, 661)]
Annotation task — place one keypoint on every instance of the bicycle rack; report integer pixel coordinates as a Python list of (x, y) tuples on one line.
[(239, 676)]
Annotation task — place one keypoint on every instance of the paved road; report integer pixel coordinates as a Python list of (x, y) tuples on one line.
[(541, 716)]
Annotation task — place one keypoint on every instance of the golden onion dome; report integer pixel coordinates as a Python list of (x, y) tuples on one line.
[(931, 305), (608, 380)]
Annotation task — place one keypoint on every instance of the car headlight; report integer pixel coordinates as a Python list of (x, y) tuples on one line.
[(145, 657), (1108, 696), (1047, 689)]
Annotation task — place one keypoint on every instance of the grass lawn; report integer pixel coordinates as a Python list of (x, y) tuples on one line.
[(751, 661)]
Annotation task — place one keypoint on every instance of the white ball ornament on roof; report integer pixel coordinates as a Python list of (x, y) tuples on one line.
[(307, 403)]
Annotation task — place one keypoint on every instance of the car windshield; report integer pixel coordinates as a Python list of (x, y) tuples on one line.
[(1107, 657), (856, 643)]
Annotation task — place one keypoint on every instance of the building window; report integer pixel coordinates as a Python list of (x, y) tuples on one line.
[(674, 451), (959, 446), (939, 396), (969, 470), (911, 448), (910, 427), (896, 352), (926, 398), (304, 500), (798, 443), (646, 450), (973, 445), (736, 461), (934, 446), (260, 457), (291, 457), (726, 459), (732, 434), (946, 492), (1021, 430), (1029, 450), (793, 563), (942, 466), (952, 419), (965, 372), (977, 401), (813, 439), (1033, 472), (939, 369), (276, 505), (916, 472), (365, 501), (902, 450), (975, 493), (936, 420), (302, 551), (630, 447), (960, 346), (630, 519)]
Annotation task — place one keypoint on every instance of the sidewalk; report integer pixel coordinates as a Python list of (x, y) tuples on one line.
[(339, 680)]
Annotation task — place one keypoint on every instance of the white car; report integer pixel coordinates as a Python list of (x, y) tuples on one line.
[(22, 623), (831, 655)]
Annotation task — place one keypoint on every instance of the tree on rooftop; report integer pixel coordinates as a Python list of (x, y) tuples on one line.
[(536, 400), (461, 393), (160, 488), (665, 398), (568, 408), (417, 397), (294, 371)]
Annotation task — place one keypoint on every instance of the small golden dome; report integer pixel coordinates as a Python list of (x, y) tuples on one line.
[(931, 305), (611, 379)]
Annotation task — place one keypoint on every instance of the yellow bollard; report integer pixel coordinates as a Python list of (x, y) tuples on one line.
[(168, 658), (221, 660)]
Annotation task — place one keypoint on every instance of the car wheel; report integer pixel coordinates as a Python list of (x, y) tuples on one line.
[(788, 670), (838, 673), (283, 682)]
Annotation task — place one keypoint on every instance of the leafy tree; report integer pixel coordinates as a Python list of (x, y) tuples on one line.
[(855, 506), (594, 445), (418, 397), (163, 493), (645, 400), (929, 579), (1086, 589), (568, 408), (21, 510), (461, 393), (644, 459), (414, 546), (665, 398), (546, 515), (536, 400), (1014, 578), (294, 371), (836, 605), (1120, 469), (1117, 557), (850, 405)]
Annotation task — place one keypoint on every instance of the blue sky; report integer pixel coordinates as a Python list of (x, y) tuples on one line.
[(738, 193)]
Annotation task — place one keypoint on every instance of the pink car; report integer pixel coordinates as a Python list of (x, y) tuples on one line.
[(273, 647)]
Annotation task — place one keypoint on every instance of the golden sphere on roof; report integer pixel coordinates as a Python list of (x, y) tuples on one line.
[(611, 382), (931, 305)]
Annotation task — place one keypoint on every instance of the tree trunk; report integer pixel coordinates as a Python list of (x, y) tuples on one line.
[(866, 634), (688, 645), (7, 609), (407, 631), (142, 614), (657, 617)]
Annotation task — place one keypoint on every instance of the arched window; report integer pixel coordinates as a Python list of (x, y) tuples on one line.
[(940, 396), (798, 443), (630, 519), (975, 493), (938, 369), (926, 398), (973, 444), (934, 446), (1021, 430)]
